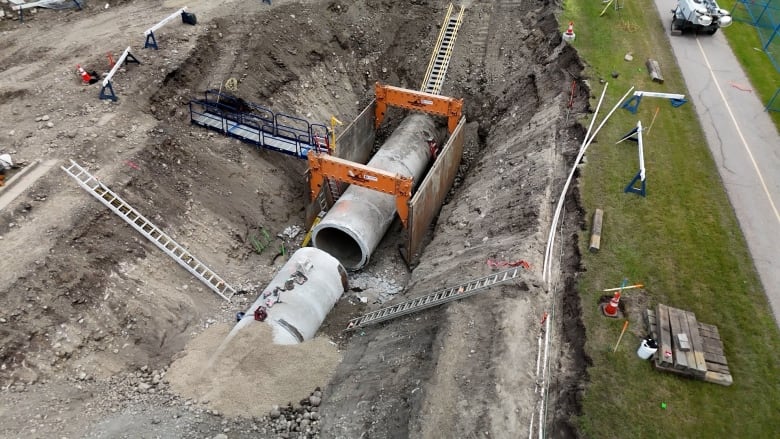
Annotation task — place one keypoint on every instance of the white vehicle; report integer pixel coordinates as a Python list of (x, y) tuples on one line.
[(699, 16)]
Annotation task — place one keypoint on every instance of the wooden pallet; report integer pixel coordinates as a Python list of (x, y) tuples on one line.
[(701, 357)]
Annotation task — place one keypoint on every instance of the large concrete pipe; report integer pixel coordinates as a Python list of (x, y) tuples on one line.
[(357, 222), (300, 295)]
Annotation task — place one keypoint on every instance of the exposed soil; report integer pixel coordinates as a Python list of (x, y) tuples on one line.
[(103, 335)]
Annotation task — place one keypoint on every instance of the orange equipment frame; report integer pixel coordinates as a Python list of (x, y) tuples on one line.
[(450, 108), (324, 166)]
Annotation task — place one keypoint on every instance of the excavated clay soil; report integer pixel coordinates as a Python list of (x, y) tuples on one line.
[(104, 336)]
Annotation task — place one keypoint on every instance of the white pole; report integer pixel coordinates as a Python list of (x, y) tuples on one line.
[(544, 377), (652, 94), (164, 21), (117, 65), (641, 151)]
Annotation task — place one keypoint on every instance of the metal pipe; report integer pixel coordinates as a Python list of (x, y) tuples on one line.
[(353, 227), (300, 295)]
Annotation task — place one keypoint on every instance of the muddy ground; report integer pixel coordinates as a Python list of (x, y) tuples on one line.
[(102, 333)]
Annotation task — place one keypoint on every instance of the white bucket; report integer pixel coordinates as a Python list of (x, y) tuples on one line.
[(647, 349)]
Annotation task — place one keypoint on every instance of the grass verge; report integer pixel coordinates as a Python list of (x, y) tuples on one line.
[(682, 241), (745, 43)]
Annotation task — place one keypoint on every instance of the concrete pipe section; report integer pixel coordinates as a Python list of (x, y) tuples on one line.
[(360, 218), (300, 296)]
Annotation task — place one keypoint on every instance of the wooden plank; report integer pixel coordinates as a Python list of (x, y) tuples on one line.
[(681, 358), (654, 69), (710, 330), (715, 367), (713, 345), (665, 333), (697, 342), (651, 325), (715, 358), (595, 233), (718, 378), (708, 333)]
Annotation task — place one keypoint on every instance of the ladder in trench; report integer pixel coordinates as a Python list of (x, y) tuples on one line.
[(449, 294), (440, 59), (149, 230)]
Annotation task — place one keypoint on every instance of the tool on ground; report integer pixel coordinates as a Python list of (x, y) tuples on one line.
[(625, 326), (657, 109), (149, 230), (628, 287), (436, 298)]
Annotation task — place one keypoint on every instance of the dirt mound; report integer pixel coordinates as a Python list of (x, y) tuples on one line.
[(250, 374)]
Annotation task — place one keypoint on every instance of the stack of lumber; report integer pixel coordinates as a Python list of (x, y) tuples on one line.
[(686, 346)]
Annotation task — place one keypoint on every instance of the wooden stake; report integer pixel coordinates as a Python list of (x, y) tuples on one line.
[(609, 2), (657, 109), (625, 326)]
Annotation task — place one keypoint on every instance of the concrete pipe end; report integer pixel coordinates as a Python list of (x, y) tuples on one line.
[(343, 244)]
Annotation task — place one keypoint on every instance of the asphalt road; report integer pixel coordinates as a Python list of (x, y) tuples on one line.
[(744, 142)]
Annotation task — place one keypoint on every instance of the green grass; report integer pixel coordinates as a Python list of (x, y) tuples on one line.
[(764, 77), (682, 241)]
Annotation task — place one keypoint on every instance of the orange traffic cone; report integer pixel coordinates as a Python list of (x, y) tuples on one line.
[(611, 309), (84, 75), (569, 34)]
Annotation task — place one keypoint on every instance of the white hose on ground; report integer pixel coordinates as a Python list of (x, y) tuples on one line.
[(544, 377), (566, 187), (546, 270)]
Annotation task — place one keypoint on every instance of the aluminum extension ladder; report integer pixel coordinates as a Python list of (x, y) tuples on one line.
[(440, 60), (149, 230), (437, 298)]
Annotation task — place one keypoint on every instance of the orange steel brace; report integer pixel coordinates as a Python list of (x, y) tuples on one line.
[(437, 105), (324, 166)]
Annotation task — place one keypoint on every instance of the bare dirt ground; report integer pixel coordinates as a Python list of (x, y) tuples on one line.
[(104, 336)]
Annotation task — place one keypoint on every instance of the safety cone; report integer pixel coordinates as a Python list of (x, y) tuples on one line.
[(84, 75), (568, 36), (611, 308)]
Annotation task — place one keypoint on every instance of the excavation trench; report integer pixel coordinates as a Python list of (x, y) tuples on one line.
[(402, 379)]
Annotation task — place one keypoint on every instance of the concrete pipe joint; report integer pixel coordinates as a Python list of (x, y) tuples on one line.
[(355, 225), (300, 296)]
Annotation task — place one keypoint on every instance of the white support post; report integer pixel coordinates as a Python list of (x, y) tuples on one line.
[(151, 41), (107, 91), (640, 176), (652, 94), (116, 67), (641, 150)]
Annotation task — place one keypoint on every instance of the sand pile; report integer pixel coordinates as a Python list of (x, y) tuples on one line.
[(250, 374)]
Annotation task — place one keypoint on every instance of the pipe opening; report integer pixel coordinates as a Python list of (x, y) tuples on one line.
[(342, 246)]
